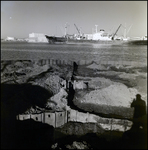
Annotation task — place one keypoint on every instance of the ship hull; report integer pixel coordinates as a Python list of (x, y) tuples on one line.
[(55, 40), (137, 42), (109, 42), (61, 40)]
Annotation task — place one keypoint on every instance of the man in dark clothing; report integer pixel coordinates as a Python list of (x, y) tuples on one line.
[(139, 112), (136, 137)]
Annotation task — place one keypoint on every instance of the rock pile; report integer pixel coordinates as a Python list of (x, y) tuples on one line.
[(58, 102), (53, 79), (116, 94)]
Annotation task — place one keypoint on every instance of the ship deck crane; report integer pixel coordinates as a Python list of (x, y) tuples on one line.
[(116, 32), (78, 30), (126, 32)]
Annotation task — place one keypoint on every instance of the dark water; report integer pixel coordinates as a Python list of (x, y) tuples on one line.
[(74, 52)]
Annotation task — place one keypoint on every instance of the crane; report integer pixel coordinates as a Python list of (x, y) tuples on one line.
[(78, 30), (116, 32)]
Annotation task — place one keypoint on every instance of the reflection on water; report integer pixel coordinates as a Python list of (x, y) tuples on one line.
[(74, 52)]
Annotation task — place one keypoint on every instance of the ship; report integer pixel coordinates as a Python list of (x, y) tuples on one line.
[(56, 39), (100, 37)]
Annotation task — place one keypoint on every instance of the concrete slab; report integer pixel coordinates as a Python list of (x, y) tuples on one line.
[(72, 115), (24, 116), (49, 118), (82, 117), (60, 119), (37, 117)]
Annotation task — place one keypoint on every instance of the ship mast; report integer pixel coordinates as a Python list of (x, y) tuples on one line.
[(129, 28), (125, 31), (65, 29), (96, 28)]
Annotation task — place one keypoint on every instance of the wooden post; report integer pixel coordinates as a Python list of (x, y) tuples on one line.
[(55, 119)]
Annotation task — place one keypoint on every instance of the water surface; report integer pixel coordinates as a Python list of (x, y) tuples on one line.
[(74, 52)]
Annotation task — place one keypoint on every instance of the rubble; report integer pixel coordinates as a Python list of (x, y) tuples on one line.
[(97, 67), (34, 110), (95, 83), (78, 145), (113, 95), (58, 102)]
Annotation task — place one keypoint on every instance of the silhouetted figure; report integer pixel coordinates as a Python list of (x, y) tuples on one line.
[(136, 137), (75, 68), (139, 112)]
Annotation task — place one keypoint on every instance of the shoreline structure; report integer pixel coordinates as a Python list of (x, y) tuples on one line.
[(58, 119)]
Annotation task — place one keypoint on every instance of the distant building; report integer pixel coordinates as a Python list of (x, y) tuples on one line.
[(10, 39), (37, 37)]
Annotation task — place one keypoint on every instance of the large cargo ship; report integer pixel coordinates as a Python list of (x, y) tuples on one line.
[(100, 37), (64, 40)]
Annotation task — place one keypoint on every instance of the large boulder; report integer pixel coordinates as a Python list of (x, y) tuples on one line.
[(114, 95), (114, 100), (53, 83)]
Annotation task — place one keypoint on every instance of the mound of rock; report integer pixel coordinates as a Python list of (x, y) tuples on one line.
[(58, 102), (53, 83), (114, 95), (96, 66), (113, 101)]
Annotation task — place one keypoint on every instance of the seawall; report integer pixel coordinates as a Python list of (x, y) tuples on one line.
[(59, 119)]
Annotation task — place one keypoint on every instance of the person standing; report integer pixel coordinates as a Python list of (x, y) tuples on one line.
[(139, 112)]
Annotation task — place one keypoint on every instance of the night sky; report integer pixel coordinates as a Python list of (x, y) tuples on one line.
[(19, 18)]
